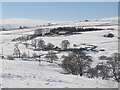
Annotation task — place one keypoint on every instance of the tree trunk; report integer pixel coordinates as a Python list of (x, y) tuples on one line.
[(39, 61), (35, 44), (81, 72), (115, 75), (28, 53), (117, 79), (19, 54)]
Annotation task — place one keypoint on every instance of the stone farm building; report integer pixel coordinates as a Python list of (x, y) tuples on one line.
[(41, 31)]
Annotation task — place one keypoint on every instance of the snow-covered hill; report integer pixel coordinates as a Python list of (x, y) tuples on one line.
[(28, 74), (14, 23)]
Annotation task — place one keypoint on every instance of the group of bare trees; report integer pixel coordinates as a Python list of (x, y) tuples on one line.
[(51, 56), (111, 69), (100, 70), (76, 63), (114, 66), (17, 52), (80, 63), (41, 44)]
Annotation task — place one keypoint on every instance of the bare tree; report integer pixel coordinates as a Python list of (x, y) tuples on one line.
[(103, 71), (51, 56), (76, 63), (114, 66), (39, 60), (2, 54), (65, 44), (41, 44), (16, 50), (24, 55), (27, 45), (34, 43)]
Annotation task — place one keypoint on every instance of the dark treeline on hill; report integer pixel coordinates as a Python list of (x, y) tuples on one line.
[(58, 31), (73, 29)]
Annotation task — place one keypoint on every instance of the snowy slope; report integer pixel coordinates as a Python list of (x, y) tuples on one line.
[(28, 74), (16, 22)]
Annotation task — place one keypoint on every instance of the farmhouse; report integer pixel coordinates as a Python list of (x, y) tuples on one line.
[(41, 31), (38, 31)]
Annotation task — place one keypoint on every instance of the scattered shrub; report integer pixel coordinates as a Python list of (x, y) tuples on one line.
[(34, 55), (51, 56), (103, 57), (24, 55), (102, 50), (110, 35), (10, 57)]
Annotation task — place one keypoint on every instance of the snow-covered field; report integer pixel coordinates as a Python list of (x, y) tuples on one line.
[(28, 74)]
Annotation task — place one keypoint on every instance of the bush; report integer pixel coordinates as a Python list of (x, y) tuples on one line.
[(102, 50), (100, 70), (109, 58), (10, 57), (74, 45), (103, 57), (24, 55), (92, 72), (103, 71), (49, 46), (110, 35), (86, 20), (51, 56), (34, 55)]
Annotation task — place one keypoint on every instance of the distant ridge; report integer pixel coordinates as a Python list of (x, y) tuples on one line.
[(25, 20)]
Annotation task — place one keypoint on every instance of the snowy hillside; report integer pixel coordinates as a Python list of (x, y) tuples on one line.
[(26, 72), (14, 23)]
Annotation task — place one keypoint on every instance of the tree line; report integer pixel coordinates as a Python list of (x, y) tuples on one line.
[(73, 29)]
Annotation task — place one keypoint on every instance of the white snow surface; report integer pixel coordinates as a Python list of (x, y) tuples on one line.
[(28, 74), (14, 23)]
